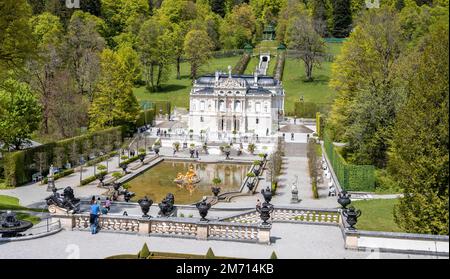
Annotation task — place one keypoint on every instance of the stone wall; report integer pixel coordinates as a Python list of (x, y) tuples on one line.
[(171, 227)]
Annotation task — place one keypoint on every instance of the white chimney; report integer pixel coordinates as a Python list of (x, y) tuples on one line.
[(255, 76)]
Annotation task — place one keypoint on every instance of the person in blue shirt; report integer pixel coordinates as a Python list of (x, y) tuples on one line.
[(93, 220)]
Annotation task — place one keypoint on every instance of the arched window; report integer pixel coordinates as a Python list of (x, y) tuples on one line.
[(221, 105), (237, 106)]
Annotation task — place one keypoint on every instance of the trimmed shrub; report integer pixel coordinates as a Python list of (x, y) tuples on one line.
[(59, 175), (93, 178), (279, 66), (273, 256), (144, 253), (210, 254)]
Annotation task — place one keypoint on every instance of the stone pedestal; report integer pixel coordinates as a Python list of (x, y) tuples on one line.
[(67, 222), (264, 234), (144, 226), (202, 230)]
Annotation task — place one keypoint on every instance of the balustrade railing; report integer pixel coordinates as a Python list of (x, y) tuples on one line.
[(171, 227), (302, 215)]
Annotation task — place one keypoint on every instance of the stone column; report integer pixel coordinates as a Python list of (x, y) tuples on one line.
[(144, 226), (264, 234), (202, 230), (67, 221)]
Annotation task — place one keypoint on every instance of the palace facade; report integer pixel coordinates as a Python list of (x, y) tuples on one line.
[(247, 104)]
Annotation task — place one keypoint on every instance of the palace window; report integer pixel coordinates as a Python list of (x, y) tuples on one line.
[(202, 105), (258, 107), (257, 120), (237, 106), (221, 105)]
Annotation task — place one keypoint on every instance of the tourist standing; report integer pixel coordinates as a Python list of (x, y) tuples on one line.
[(92, 200), (258, 203), (108, 204), (93, 219), (196, 153), (292, 136)]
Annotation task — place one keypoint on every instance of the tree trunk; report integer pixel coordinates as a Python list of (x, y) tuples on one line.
[(158, 80), (178, 67)]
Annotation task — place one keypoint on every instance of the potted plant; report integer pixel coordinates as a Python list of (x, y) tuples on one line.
[(141, 155), (227, 151), (176, 146), (216, 189), (192, 149), (251, 148)]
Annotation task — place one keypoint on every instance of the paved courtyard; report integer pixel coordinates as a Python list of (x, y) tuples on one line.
[(289, 240)]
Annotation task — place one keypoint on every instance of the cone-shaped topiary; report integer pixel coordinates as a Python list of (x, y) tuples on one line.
[(210, 254), (144, 253), (273, 256)]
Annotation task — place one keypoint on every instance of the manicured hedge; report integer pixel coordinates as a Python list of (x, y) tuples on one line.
[(309, 109), (59, 175), (164, 106), (241, 65), (129, 161), (92, 178), (20, 165), (351, 177), (101, 158), (279, 66), (148, 115)]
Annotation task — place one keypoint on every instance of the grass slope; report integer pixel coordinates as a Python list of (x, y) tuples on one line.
[(377, 215), (177, 91)]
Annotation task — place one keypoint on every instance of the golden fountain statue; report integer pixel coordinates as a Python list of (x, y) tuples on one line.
[(187, 179)]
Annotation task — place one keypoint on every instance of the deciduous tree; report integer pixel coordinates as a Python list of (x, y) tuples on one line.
[(197, 49)]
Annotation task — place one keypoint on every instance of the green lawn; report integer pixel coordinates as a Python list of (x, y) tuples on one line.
[(12, 203), (377, 215), (317, 91), (177, 91)]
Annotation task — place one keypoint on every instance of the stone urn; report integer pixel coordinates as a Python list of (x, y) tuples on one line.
[(227, 154), (256, 171), (124, 167), (100, 177), (145, 204), (344, 199), (203, 208), (250, 184), (267, 194), (264, 212), (141, 157), (215, 190), (351, 214)]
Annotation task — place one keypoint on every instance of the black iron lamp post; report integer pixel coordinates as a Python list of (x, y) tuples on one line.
[(145, 204), (344, 199), (351, 214)]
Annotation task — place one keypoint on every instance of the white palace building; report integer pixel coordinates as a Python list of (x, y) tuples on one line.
[(247, 104)]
